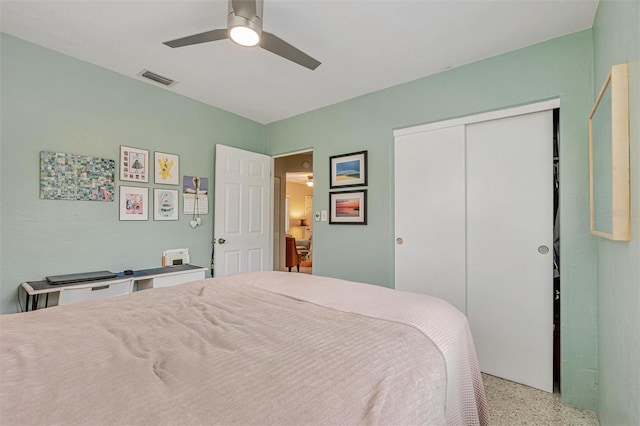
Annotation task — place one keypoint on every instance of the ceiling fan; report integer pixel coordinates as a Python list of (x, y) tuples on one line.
[(244, 27)]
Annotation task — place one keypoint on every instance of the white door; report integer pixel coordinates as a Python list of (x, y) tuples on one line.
[(430, 214), (474, 221), (242, 228), (510, 246)]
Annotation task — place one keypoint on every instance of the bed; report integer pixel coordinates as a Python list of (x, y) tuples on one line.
[(261, 348)]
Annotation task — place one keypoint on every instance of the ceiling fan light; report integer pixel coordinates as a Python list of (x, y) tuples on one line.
[(244, 36)]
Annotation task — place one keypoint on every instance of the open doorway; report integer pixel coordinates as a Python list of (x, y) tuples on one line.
[(293, 213)]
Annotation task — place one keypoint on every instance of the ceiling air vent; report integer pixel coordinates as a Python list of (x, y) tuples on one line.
[(165, 81)]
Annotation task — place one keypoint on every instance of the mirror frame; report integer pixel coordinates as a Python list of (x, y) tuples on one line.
[(619, 211)]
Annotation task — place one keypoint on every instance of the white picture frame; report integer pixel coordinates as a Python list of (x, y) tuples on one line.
[(165, 204), (166, 168), (134, 203), (134, 164)]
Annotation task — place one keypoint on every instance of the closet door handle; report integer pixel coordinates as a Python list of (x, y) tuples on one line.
[(543, 249)]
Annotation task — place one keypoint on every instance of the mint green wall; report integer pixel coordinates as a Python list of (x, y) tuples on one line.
[(561, 68), (616, 39), (54, 102)]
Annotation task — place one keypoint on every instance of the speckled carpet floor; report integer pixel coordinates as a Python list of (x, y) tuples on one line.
[(512, 404)]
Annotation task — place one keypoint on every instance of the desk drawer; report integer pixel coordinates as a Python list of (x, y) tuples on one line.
[(99, 291), (175, 279)]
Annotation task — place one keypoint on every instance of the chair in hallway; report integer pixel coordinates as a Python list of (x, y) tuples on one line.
[(292, 255), (304, 249)]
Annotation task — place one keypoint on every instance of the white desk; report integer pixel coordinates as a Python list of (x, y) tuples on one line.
[(169, 276), (145, 279)]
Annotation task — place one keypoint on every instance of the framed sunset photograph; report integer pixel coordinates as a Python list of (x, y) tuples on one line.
[(348, 169), (348, 207)]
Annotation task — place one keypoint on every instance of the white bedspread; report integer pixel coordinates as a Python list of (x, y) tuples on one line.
[(258, 348), (441, 322)]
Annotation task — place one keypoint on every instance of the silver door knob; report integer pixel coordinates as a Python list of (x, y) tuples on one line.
[(399, 241), (543, 249), (221, 240)]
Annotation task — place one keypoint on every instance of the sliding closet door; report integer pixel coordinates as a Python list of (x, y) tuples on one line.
[(509, 246), (429, 214)]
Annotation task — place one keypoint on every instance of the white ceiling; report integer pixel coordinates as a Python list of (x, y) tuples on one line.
[(299, 177), (364, 45)]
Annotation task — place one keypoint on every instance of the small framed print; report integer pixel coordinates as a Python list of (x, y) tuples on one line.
[(348, 169), (134, 203), (165, 204), (134, 164), (348, 207), (167, 168)]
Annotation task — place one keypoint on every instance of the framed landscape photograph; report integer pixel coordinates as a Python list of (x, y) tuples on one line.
[(134, 203), (167, 168), (348, 207), (348, 169), (134, 164), (165, 203)]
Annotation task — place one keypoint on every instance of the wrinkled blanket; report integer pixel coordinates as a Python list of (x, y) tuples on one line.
[(259, 348)]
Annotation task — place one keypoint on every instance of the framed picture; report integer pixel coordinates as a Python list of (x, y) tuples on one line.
[(348, 207), (76, 177), (348, 169), (165, 203), (134, 203), (134, 164), (167, 168)]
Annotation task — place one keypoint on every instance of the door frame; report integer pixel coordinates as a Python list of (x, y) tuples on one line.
[(283, 184)]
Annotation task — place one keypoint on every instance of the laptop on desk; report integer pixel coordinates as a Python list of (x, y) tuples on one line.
[(85, 276)]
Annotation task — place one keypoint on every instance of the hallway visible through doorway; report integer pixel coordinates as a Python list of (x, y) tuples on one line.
[(293, 212)]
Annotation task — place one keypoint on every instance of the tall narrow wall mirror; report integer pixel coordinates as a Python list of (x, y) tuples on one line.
[(609, 157)]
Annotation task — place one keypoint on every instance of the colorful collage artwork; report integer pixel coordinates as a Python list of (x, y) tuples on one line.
[(76, 177)]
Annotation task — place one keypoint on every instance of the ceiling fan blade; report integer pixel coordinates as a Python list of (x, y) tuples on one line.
[(280, 47), (198, 38), (244, 8)]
